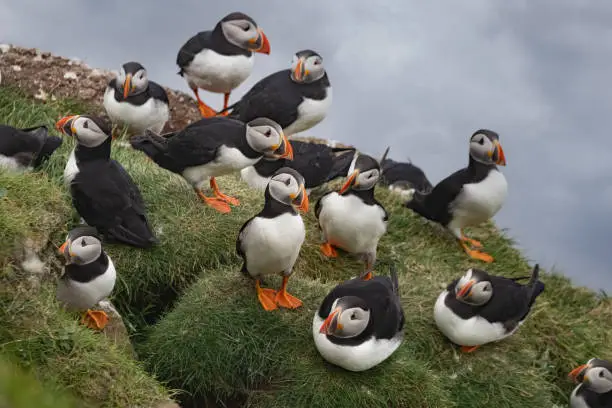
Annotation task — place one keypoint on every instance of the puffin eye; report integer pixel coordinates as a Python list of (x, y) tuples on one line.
[(83, 243), (317, 62), (86, 124), (601, 374), (246, 28), (353, 316), (268, 133), (288, 181), (481, 141)]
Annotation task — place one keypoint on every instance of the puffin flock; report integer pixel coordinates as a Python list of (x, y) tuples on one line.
[(360, 323)]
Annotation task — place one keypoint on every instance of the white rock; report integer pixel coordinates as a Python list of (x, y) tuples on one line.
[(97, 72), (4, 48), (42, 95), (37, 58), (74, 61), (332, 143), (32, 263), (70, 75), (16, 68)]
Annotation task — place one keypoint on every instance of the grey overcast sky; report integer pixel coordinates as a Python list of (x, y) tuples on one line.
[(419, 76)]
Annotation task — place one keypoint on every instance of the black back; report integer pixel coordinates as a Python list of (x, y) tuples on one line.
[(510, 304), (381, 295), (29, 146), (316, 162), (277, 97), (394, 172), (435, 205), (88, 272), (212, 40)]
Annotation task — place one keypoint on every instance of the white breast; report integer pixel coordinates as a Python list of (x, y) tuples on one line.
[(310, 113), (85, 295), (577, 401), (229, 160), (10, 163), (354, 358), (478, 202), (218, 73), (151, 115), (250, 176), (272, 245), (71, 169), (471, 332), (350, 224)]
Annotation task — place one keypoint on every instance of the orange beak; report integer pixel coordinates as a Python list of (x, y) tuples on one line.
[(127, 85), (330, 322), (60, 125), (465, 289), (288, 154), (501, 157), (301, 200), (577, 371), (62, 249), (351, 181), (298, 72), (265, 44)]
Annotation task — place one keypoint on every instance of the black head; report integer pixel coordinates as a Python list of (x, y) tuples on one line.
[(307, 66), (132, 79), (363, 173), (596, 375), (287, 186), (89, 131), (242, 31), (349, 317), (485, 148), (474, 288), (81, 246)]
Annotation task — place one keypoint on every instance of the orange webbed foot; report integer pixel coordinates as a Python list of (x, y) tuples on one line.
[(284, 299), (266, 297), (206, 111), (215, 203), (95, 319), (474, 254), (469, 349), (328, 250), (230, 200), (368, 276)]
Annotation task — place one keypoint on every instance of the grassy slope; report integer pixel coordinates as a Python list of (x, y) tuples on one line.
[(218, 342)]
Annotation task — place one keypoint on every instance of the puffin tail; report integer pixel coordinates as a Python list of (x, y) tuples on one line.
[(394, 279), (417, 204), (52, 143), (341, 163), (537, 286), (134, 232), (152, 144), (232, 107)]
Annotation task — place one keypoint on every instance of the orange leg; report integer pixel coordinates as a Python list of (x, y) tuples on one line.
[(473, 242), (468, 349), (284, 299), (205, 110), (95, 319), (214, 202), (474, 254), (368, 276), (225, 104), (266, 297), (220, 195), (328, 250)]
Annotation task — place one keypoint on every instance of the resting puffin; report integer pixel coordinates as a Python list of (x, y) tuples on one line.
[(317, 162), (103, 193), (479, 308), (296, 98), (352, 219), (595, 388), (214, 147), (89, 275), (131, 99), (25, 149), (400, 177), (220, 60), (469, 196), (360, 323), (270, 242)]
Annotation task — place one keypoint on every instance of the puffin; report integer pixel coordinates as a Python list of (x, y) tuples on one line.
[(103, 193), (297, 98), (360, 323), (595, 385), (221, 59), (469, 196), (26, 148), (480, 308), (317, 162), (89, 275), (400, 177), (352, 219), (270, 242), (213, 147), (132, 99)]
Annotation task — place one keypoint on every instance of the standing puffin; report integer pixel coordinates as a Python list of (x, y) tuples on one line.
[(400, 177), (296, 98), (270, 242), (595, 388), (103, 193), (360, 323), (352, 219), (214, 147), (222, 59), (89, 275), (317, 162), (469, 196), (28, 148), (479, 308), (131, 99)]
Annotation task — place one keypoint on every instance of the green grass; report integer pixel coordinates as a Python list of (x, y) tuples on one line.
[(197, 325)]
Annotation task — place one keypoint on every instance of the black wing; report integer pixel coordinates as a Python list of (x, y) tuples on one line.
[(127, 183), (319, 205), (275, 97), (313, 161), (239, 248), (400, 171), (13, 141), (158, 92), (193, 46)]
